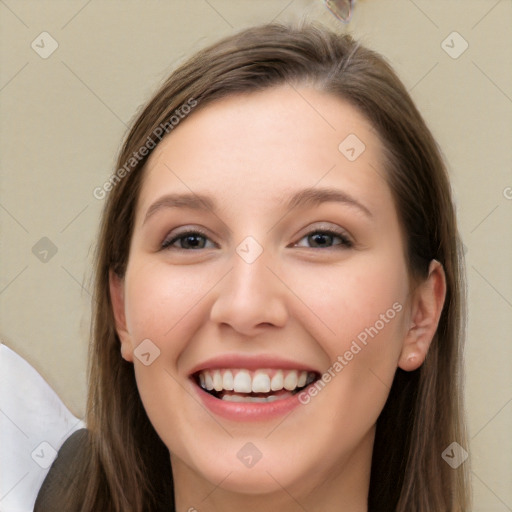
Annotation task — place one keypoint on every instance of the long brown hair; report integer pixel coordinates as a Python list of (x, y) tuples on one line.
[(125, 465)]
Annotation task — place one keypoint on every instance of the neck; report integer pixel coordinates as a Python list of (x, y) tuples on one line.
[(323, 489)]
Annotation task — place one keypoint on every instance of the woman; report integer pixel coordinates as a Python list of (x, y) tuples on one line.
[(278, 302)]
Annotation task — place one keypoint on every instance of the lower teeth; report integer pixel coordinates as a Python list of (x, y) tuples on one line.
[(231, 396), (238, 398)]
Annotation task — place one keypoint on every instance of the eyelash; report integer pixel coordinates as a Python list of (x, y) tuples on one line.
[(167, 244), (345, 241)]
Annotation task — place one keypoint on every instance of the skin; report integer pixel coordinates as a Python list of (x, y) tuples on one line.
[(296, 300)]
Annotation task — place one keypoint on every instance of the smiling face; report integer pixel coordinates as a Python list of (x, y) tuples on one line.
[(263, 258)]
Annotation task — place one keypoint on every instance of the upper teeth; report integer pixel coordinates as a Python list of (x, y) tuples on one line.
[(259, 381)]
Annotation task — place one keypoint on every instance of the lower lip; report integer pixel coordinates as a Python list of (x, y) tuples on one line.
[(248, 411)]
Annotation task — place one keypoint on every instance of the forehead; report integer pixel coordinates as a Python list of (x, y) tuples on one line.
[(259, 147)]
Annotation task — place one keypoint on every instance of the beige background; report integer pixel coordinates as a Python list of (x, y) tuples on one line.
[(62, 120)]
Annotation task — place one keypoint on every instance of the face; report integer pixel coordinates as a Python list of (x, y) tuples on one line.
[(265, 304)]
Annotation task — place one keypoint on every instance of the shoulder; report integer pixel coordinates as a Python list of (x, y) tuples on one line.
[(72, 458)]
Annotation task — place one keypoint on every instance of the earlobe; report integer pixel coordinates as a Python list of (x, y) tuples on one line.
[(116, 285), (426, 308)]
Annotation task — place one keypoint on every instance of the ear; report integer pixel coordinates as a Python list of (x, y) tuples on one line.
[(116, 285), (426, 307)]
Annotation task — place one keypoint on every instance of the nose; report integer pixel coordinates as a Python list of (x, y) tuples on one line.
[(250, 298)]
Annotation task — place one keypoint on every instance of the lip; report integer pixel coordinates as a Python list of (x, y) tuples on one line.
[(250, 363), (248, 411)]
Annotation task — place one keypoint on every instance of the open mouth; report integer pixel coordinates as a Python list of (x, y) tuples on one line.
[(265, 385)]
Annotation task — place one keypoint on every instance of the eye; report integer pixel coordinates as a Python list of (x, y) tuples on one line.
[(188, 240), (324, 238)]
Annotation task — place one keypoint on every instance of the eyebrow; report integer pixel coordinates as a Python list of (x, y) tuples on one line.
[(315, 196), (192, 201), (307, 197)]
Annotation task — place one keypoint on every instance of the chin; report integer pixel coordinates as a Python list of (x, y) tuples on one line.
[(252, 481)]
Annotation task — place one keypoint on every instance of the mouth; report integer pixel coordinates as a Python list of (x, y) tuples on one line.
[(253, 386)]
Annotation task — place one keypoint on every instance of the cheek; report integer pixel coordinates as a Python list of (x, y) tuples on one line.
[(356, 313), (342, 302), (161, 299), (163, 304)]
